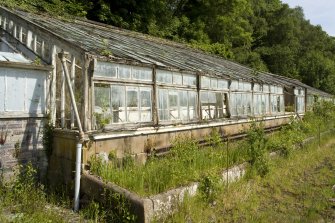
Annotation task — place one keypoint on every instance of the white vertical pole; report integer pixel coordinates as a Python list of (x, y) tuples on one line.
[(62, 100), (53, 86), (81, 134), (73, 75), (77, 176)]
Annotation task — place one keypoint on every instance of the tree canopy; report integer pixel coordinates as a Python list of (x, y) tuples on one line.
[(266, 35)]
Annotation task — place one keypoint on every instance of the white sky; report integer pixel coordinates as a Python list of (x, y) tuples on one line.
[(319, 12)]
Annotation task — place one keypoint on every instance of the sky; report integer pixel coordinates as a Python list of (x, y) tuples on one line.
[(318, 12)]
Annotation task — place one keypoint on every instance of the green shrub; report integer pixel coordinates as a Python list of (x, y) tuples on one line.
[(257, 149)]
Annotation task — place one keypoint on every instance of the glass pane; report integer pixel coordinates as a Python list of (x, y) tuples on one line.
[(163, 104), (233, 104), (192, 104), (124, 72), (132, 104), (219, 106), (173, 105), (205, 106), (164, 76), (214, 83), (241, 85), (105, 69), (183, 105), (205, 82), (189, 80), (273, 89), (145, 104), (142, 73), (177, 79), (118, 104), (35, 94), (234, 85), (15, 92), (222, 84), (247, 86)]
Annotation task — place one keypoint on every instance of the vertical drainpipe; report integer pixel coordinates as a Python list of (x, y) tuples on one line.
[(81, 133)]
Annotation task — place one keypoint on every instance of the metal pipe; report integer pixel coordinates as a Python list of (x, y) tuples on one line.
[(77, 177), (81, 133)]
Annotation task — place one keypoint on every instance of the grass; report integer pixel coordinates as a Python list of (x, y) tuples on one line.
[(187, 162), (297, 190), (22, 199)]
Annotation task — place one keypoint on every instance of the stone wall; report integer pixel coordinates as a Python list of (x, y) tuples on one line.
[(20, 143)]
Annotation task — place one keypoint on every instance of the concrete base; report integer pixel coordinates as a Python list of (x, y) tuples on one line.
[(158, 205)]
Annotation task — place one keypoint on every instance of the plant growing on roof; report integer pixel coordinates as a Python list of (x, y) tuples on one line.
[(105, 51)]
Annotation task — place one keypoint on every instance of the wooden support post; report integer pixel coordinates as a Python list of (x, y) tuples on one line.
[(43, 50), (20, 34), (15, 32), (72, 76), (53, 85), (34, 43), (4, 23), (29, 39), (62, 101), (85, 116), (154, 99), (198, 102)]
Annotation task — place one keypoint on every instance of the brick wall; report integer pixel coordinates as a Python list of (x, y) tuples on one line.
[(22, 144)]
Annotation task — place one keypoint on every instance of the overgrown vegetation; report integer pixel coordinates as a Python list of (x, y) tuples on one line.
[(298, 189), (266, 35), (188, 162), (113, 208), (23, 199)]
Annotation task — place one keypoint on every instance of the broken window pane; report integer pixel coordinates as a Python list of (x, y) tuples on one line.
[(173, 105)]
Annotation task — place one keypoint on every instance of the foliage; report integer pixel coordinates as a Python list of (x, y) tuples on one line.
[(47, 137), (256, 147), (209, 187), (113, 208), (214, 139), (266, 35), (23, 199)]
